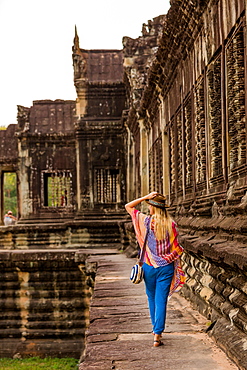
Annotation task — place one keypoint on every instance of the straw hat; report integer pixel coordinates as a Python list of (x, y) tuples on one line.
[(158, 201)]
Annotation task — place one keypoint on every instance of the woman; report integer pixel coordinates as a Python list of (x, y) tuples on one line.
[(9, 219), (162, 270)]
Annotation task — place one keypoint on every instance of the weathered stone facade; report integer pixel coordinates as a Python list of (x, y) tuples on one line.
[(46, 158), (98, 78), (187, 130)]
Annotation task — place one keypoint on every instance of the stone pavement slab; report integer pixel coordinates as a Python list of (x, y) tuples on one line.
[(119, 336)]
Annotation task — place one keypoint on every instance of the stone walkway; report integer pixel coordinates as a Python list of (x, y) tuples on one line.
[(119, 336)]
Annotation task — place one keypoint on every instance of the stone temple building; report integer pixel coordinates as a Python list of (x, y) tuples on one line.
[(69, 156), (165, 113)]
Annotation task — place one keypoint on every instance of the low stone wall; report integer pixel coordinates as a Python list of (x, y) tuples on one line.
[(44, 300), (72, 234)]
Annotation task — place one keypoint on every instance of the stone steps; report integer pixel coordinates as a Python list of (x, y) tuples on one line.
[(105, 233), (44, 298)]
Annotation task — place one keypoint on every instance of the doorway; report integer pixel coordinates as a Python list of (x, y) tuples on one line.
[(10, 193)]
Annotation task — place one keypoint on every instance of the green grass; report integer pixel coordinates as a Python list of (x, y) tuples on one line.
[(36, 363)]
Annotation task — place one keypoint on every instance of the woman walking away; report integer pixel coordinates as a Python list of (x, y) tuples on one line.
[(162, 268)]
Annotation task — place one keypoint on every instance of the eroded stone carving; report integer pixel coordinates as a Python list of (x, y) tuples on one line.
[(188, 142), (173, 160), (200, 133), (179, 150), (236, 99), (214, 114)]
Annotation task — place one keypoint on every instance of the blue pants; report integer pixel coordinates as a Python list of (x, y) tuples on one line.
[(158, 282)]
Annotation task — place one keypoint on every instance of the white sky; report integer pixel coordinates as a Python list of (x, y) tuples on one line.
[(36, 39)]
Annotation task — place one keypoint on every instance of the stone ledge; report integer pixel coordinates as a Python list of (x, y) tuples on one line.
[(216, 284), (41, 347), (43, 255), (231, 340), (228, 226), (219, 250)]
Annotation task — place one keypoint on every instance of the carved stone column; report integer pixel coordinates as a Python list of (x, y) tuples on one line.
[(25, 178)]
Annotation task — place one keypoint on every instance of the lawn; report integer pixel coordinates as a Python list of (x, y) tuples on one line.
[(36, 363)]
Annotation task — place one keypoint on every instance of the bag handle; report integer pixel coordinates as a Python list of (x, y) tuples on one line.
[(144, 244)]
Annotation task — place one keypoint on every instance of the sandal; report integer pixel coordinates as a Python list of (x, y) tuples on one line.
[(157, 340)]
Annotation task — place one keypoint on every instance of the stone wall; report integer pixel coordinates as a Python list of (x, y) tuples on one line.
[(8, 148), (187, 139), (44, 301), (216, 284), (46, 155), (89, 233)]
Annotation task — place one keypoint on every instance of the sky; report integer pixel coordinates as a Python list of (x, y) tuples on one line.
[(36, 39)]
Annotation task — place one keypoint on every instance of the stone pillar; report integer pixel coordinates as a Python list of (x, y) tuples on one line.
[(25, 179)]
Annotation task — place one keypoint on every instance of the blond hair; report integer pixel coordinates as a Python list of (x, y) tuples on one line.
[(163, 223)]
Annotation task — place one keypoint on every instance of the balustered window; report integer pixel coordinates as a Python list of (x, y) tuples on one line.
[(172, 146), (57, 189), (188, 142), (200, 139), (178, 119), (214, 117), (236, 99), (107, 185), (156, 166)]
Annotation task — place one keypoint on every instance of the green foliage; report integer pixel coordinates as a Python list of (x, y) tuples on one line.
[(10, 192), (37, 363)]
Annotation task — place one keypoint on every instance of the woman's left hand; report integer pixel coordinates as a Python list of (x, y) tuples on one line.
[(151, 195), (129, 206)]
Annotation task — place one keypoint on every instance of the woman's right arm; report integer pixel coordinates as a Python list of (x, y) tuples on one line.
[(131, 205)]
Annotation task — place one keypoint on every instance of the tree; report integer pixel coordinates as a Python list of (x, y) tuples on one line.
[(10, 192)]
